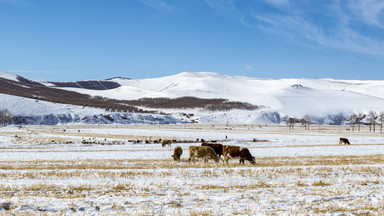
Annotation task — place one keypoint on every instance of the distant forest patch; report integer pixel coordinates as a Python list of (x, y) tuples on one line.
[(94, 85), (215, 104)]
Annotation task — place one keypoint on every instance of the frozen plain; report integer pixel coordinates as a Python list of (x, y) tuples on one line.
[(297, 172)]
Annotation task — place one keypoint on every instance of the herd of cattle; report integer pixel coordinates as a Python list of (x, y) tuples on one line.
[(215, 151)]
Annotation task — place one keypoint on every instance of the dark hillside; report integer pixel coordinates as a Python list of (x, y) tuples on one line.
[(27, 81), (93, 85), (41, 92)]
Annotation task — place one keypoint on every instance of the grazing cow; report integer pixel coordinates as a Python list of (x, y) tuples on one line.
[(166, 142), (344, 141), (217, 147), (205, 152), (237, 152), (177, 152)]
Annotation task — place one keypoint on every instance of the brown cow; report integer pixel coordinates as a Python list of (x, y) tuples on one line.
[(177, 152), (237, 152), (166, 142), (344, 141), (217, 147), (205, 152)]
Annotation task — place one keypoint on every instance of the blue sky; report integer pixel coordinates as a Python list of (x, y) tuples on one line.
[(66, 40)]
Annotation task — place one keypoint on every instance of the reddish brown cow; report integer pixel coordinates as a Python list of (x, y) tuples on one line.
[(237, 152), (218, 148), (177, 152)]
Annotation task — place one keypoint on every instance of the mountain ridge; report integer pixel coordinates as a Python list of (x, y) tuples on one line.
[(218, 97), (270, 93)]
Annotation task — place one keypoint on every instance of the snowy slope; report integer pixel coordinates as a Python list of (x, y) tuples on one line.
[(280, 97), (9, 76), (298, 102), (32, 111), (320, 96), (27, 106)]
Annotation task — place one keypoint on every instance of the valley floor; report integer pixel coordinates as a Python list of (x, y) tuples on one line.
[(48, 170)]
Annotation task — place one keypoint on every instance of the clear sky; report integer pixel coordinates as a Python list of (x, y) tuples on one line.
[(66, 40)]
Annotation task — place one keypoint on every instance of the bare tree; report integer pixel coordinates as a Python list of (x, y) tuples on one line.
[(371, 120), (306, 121), (381, 119), (352, 121), (359, 118), (292, 122), (5, 117)]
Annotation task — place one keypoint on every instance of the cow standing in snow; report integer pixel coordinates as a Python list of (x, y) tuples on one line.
[(237, 152), (177, 152), (217, 147), (204, 152), (344, 141)]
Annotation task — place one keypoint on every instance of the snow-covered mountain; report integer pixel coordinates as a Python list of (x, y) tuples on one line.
[(319, 98), (289, 96), (8, 76)]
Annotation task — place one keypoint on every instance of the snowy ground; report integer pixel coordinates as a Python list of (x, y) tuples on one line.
[(47, 170)]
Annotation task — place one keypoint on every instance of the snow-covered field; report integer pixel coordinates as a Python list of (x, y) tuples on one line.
[(47, 170)]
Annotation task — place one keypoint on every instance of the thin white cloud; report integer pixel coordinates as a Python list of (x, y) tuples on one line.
[(248, 67), (368, 11), (302, 22), (222, 6), (310, 23)]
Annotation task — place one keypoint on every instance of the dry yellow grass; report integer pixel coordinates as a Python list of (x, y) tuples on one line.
[(168, 164)]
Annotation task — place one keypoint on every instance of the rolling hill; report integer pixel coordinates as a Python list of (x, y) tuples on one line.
[(210, 97), (290, 96)]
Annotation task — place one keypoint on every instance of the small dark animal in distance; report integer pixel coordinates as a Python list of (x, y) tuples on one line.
[(344, 141), (166, 143)]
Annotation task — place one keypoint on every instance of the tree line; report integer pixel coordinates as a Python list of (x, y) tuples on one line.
[(213, 104), (372, 119), (5, 117)]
